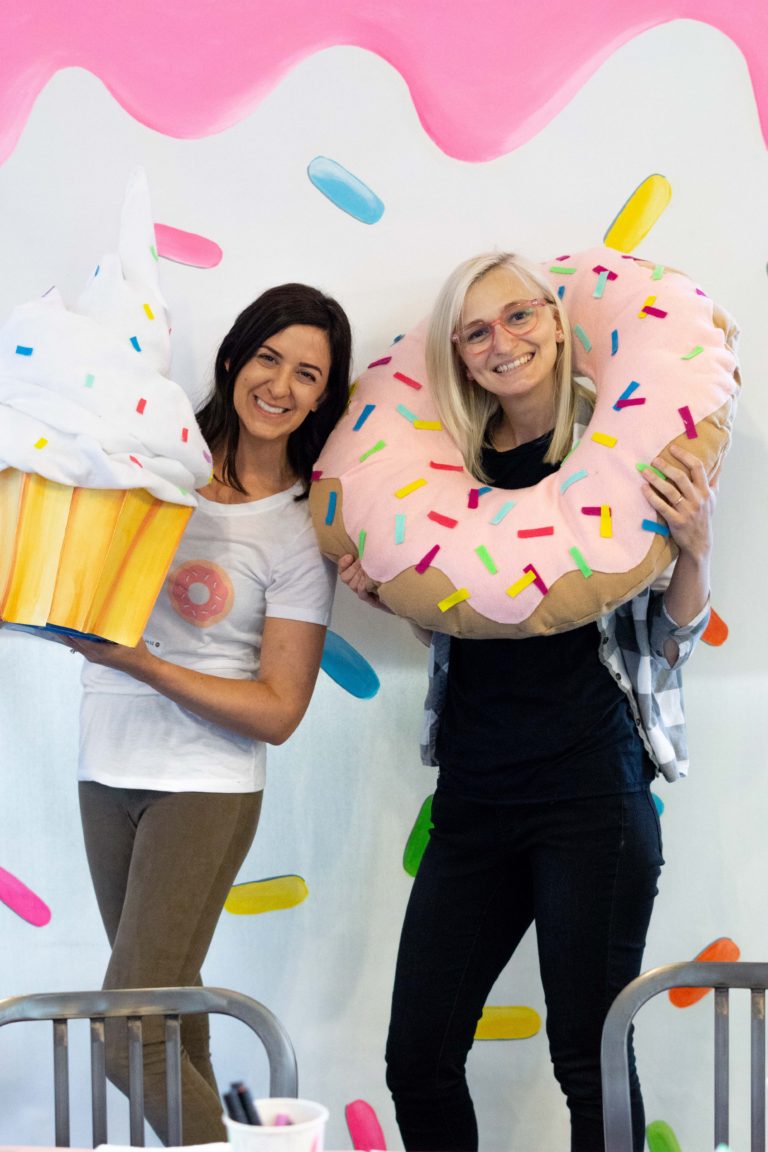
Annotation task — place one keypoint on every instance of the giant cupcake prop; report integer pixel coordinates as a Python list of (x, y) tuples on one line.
[(100, 453)]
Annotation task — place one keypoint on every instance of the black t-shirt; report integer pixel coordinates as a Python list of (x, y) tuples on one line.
[(541, 718)]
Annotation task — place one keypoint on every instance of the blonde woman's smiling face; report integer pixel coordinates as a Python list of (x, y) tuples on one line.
[(512, 366)]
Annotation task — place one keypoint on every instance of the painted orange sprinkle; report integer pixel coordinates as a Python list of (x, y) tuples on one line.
[(721, 950)]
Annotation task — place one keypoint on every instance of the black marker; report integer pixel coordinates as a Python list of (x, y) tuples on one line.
[(234, 1107), (246, 1101)]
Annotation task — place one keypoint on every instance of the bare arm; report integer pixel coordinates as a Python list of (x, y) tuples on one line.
[(686, 501), (267, 709)]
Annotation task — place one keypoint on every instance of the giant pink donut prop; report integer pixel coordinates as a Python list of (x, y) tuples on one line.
[(453, 555)]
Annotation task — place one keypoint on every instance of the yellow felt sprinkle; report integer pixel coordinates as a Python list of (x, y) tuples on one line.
[(428, 425), (519, 585), (408, 488), (606, 526), (649, 303), (41, 443), (455, 598), (604, 439), (149, 313)]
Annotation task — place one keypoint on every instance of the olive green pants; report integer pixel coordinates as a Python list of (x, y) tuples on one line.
[(162, 865)]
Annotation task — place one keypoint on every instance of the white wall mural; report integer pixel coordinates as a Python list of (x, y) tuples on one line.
[(367, 149)]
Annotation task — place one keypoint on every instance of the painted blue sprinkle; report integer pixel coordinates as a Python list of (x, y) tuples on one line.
[(135, 342), (348, 668), (658, 802), (345, 190)]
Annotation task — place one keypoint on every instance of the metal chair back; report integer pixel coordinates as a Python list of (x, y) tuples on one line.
[(135, 1005), (614, 1059)]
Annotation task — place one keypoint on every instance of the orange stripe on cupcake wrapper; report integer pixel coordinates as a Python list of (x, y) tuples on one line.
[(721, 950)]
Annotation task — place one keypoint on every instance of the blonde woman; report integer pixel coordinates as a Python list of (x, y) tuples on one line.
[(546, 748)]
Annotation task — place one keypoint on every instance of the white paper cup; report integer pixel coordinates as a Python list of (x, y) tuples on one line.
[(305, 1133)]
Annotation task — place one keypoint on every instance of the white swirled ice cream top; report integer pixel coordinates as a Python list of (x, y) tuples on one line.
[(84, 399)]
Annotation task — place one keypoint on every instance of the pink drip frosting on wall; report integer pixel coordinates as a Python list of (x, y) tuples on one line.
[(483, 79)]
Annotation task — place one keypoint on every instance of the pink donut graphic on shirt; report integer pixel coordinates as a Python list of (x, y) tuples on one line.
[(201, 592)]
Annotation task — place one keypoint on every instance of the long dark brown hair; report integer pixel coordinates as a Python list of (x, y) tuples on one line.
[(274, 310)]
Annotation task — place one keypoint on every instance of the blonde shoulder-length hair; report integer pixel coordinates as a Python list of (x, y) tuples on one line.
[(467, 411)]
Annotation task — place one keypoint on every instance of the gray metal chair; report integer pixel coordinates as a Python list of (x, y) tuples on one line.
[(614, 1061), (134, 1005)]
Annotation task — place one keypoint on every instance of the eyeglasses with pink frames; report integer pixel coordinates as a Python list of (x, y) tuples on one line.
[(517, 318)]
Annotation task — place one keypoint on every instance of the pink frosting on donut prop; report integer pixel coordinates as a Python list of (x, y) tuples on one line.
[(471, 560)]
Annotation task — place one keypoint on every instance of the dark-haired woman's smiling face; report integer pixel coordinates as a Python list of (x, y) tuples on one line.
[(285, 381)]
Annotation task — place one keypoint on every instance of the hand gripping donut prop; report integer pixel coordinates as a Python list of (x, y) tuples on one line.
[(461, 557)]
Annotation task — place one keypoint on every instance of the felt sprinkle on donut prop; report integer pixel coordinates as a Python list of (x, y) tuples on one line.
[(467, 559)]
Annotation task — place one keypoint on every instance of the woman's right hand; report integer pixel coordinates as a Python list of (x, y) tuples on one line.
[(352, 574)]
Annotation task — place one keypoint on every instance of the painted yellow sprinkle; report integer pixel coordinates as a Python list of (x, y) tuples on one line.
[(454, 599), (428, 425), (270, 895), (41, 443), (408, 488), (649, 303), (604, 439), (519, 585), (606, 526), (150, 314), (510, 1022), (639, 214)]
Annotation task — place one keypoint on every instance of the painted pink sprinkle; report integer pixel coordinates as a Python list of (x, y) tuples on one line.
[(186, 247)]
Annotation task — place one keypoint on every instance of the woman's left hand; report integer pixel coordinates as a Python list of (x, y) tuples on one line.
[(685, 499), (119, 656)]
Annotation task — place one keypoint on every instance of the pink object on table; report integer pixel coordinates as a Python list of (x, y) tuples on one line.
[(364, 1128)]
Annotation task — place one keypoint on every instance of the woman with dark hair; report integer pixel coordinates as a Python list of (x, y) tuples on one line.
[(173, 731)]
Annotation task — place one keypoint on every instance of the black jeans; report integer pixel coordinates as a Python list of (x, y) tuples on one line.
[(585, 871)]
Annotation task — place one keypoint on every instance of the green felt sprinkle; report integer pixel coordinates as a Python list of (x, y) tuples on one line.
[(484, 555), (693, 352), (580, 563), (561, 270), (361, 543), (376, 448), (658, 272), (642, 467)]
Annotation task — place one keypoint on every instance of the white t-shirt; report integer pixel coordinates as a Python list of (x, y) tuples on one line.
[(236, 564)]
